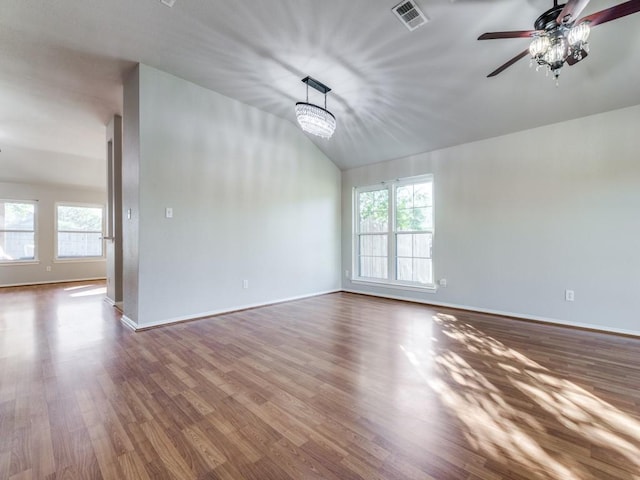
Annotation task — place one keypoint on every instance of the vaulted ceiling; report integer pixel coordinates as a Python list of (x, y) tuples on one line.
[(395, 92)]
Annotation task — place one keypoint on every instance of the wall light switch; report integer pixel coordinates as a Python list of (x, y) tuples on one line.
[(168, 212)]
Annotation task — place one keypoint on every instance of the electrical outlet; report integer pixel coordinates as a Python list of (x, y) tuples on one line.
[(346, 274), (168, 212), (569, 295), (442, 282), (48, 268), (245, 284)]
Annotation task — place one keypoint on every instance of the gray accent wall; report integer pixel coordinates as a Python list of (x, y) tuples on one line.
[(63, 270), (253, 200), (523, 217)]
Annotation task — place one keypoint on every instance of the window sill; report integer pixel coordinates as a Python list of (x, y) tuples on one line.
[(396, 286), (11, 263)]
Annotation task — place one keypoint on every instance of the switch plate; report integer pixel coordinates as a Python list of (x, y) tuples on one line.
[(168, 212), (442, 282), (48, 268), (569, 295), (128, 214), (245, 284)]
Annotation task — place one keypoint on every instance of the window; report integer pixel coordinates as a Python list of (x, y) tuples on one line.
[(79, 231), (17, 231), (394, 232)]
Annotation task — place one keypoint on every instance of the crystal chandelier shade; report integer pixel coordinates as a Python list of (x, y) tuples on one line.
[(315, 120), (312, 118)]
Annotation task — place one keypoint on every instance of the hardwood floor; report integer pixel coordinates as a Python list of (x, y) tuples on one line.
[(334, 387)]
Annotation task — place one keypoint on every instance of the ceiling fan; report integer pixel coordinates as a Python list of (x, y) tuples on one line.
[(559, 36)]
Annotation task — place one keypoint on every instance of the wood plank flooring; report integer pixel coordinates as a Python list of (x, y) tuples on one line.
[(339, 386)]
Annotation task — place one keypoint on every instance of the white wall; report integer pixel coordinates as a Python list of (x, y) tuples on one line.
[(61, 271), (521, 218), (130, 194), (253, 199)]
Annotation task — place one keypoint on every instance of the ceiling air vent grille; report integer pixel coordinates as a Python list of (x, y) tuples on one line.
[(410, 15)]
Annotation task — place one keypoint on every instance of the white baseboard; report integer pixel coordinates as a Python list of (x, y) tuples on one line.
[(137, 327), (113, 303), (50, 282), (128, 322), (531, 318)]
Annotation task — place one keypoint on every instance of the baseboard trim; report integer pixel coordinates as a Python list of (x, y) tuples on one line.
[(51, 282), (128, 322), (199, 316), (516, 316)]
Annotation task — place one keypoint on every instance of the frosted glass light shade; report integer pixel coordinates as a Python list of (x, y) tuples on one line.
[(579, 34), (539, 46), (315, 120)]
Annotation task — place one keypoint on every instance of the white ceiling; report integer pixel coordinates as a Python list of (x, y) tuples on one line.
[(395, 92)]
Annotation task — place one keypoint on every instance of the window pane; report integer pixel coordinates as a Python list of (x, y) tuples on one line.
[(373, 209), (417, 270), (405, 245), (72, 244), (17, 246), (83, 219), (373, 245), (423, 194), (422, 245), (17, 216), (413, 219), (373, 267), (404, 196), (405, 269), (422, 271)]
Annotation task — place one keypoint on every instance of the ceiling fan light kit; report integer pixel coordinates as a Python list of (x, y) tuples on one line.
[(558, 37), (313, 118), (553, 47)]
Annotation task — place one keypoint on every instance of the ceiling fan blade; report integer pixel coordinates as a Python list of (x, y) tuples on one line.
[(613, 13), (508, 64), (513, 34), (571, 11)]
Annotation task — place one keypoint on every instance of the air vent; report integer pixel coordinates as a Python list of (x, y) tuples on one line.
[(410, 15)]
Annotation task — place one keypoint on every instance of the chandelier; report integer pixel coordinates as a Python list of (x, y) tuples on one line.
[(552, 48), (312, 118)]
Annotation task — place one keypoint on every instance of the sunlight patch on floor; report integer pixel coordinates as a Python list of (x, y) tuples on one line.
[(90, 293), (497, 423), (78, 287)]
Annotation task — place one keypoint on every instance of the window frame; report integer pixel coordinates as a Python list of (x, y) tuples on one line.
[(88, 258), (35, 259), (392, 232)]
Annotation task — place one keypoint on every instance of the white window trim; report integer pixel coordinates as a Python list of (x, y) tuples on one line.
[(96, 258), (390, 282), (32, 261)]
